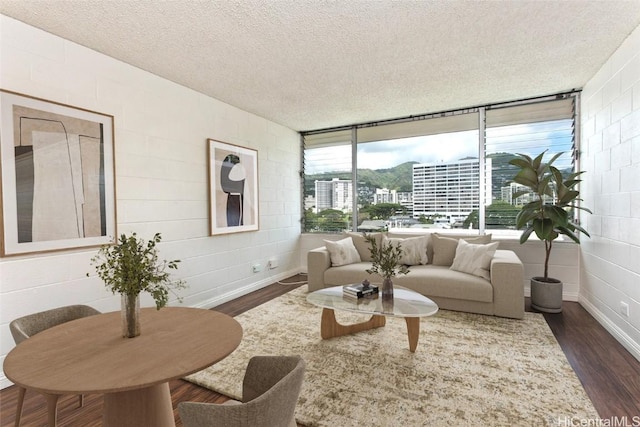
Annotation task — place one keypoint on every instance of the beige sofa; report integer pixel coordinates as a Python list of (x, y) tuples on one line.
[(502, 295)]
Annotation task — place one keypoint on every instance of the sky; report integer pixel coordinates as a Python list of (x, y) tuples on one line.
[(424, 149), (446, 147)]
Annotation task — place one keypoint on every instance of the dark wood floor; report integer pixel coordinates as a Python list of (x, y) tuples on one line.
[(609, 374)]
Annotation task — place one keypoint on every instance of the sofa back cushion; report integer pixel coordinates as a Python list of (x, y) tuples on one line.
[(414, 249), (342, 252), (474, 258), (446, 244), (446, 259), (362, 246), (444, 248)]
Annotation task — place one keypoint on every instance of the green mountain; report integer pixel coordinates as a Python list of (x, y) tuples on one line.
[(502, 172), (399, 178)]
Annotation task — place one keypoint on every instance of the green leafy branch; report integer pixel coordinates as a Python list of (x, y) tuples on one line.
[(131, 266), (385, 258)]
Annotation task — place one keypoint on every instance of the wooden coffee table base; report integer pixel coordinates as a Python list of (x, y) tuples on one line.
[(330, 328), (413, 330)]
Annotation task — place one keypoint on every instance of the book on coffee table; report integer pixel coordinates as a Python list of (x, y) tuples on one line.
[(352, 297), (359, 290)]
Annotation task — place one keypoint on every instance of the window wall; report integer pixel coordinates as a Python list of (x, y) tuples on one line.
[(327, 180), (420, 182), (527, 128), (441, 171)]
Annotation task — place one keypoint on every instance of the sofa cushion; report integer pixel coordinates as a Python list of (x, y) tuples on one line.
[(414, 249), (406, 234), (428, 280), (348, 274), (436, 281), (362, 246), (474, 258), (342, 252), (444, 248)]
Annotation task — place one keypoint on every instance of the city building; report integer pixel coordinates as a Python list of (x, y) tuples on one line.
[(403, 198), (384, 195), (450, 190), (506, 194), (334, 194)]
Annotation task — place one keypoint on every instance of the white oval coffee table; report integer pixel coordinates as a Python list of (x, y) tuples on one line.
[(406, 303)]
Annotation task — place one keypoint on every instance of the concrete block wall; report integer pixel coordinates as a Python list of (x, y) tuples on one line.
[(610, 119), (161, 132)]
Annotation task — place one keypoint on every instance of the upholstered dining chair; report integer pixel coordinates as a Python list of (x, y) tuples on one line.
[(29, 325), (270, 391)]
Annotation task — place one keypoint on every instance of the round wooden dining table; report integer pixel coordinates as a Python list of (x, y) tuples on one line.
[(89, 355)]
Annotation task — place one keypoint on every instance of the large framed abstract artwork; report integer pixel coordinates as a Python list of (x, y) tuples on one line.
[(233, 188), (57, 176)]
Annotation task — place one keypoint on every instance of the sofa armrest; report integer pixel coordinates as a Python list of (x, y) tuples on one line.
[(507, 279), (318, 261)]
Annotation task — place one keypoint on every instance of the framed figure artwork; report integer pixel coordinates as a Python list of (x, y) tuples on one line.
[(57, 176), (233, 188)]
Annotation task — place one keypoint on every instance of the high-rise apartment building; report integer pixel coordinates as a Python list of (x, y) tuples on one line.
[(450, 189), (384, 195), (334, 194), (506, 194), (403, 198)]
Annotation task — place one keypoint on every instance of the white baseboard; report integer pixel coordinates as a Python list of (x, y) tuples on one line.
[(4, 382), (236, 293), (621, 336)]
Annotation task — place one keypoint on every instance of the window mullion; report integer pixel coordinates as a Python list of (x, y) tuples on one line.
[(354, 178), (483, 172)]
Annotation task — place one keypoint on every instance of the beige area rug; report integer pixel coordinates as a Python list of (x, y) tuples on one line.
[(467, 370)]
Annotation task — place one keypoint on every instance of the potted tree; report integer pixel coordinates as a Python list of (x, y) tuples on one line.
[(548, 215), (130, 267)]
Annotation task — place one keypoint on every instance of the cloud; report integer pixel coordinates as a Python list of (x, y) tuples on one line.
[(423, 149), (531, 139), (534, 138)]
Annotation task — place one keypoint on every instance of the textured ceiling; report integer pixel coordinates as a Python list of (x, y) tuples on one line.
[(311, 64)]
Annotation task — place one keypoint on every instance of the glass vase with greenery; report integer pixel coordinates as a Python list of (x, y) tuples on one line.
[(385, 261), (131, 267)]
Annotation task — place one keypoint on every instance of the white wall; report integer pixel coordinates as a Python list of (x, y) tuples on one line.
[(161, 130), (611, 156)]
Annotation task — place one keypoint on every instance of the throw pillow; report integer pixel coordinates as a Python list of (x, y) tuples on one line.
[(414, 249), (362, 246), (342, 252), (474, 259), (444, 248)]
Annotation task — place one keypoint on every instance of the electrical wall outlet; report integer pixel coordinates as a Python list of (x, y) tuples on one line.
[(273, 263), (624, 309), (257, 268)]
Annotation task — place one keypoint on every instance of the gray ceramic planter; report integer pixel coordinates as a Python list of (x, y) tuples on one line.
[(546, 296)]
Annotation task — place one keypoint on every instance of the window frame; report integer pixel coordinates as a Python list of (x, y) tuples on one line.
[(413, 125)]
